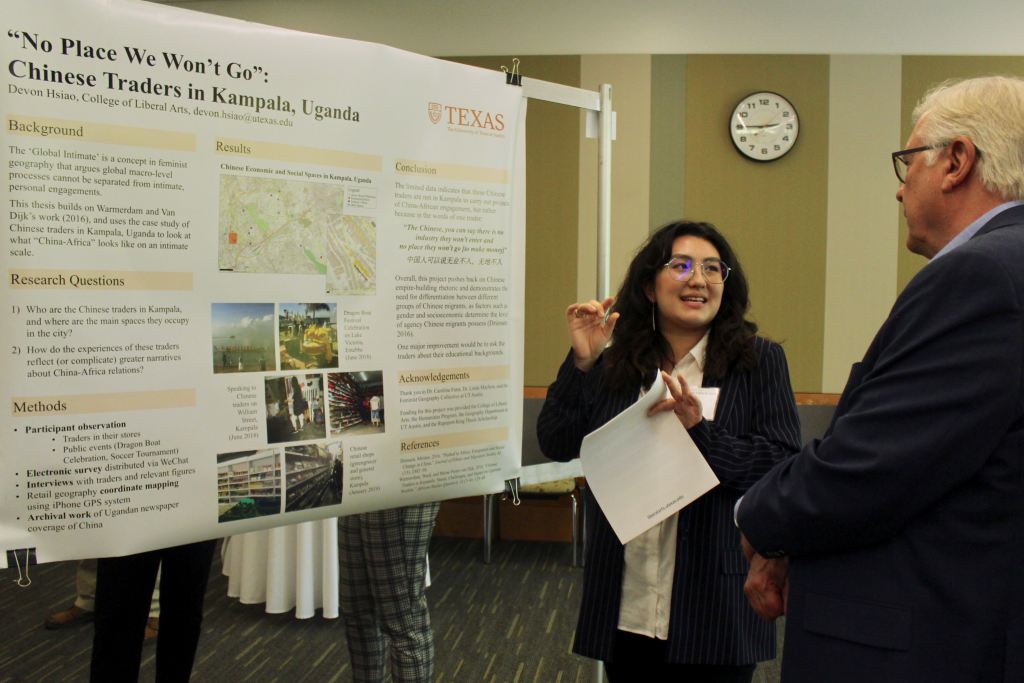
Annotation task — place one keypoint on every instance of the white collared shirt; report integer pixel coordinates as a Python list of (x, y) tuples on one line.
[(650, 558)]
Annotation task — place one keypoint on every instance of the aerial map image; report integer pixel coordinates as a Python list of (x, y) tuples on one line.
[(271, 225)]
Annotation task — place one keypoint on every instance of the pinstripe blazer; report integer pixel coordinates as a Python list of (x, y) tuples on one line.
[(755, 427)]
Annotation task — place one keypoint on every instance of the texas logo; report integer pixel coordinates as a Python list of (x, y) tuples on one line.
[(434, 111)]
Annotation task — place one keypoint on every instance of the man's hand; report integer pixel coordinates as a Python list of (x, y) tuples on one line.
[(767, 586)]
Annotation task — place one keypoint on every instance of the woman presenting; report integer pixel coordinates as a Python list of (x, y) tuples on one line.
[(669, 605)]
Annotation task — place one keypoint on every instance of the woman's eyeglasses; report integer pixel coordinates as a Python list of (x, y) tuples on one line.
[(682, 268)]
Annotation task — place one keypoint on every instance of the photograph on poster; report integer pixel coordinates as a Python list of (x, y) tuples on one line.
[(271, 225), (356, 402), (248, 484), (314, 475), (243, 337), (308, 336), (295, 408)]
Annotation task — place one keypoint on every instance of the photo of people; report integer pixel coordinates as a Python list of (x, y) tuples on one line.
[(356, 402), (308, 336), (248, 484), (295, 408), (243, 337), (314, 476)]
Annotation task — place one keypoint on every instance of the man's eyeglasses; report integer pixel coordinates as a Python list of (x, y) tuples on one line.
[(683, 267), (900, 160)]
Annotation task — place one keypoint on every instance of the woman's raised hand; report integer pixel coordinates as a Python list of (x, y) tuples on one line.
[(589, 331)]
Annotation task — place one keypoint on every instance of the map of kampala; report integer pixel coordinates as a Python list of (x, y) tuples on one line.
[(295, 227)]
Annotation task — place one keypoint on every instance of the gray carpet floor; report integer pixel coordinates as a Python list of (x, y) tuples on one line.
[(508, 622)]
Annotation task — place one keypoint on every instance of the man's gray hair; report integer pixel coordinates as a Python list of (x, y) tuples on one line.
[(990, 112)]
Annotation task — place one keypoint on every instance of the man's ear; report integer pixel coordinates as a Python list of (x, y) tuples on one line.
[(962, 159)]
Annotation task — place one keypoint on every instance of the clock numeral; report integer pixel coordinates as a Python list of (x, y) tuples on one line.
[(777, 148), (764, 102), (785, 138), (739, 126), (743, 114), (789, 126), (750, 105), (785, 114), (743, 138), (764, 150), (751, 148)]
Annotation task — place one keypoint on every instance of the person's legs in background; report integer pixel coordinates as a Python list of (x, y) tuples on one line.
[(366, 644), (153, 623), (184, 575), (82, 611), (382, 557), (124, 587), (395, 544)]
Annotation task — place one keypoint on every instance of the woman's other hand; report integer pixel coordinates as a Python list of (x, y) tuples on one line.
[(589, 331), (683, 403)]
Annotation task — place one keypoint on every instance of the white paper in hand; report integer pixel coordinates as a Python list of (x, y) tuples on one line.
[(644, 469)]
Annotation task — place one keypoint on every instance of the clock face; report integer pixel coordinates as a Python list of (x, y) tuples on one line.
[(764, 126)]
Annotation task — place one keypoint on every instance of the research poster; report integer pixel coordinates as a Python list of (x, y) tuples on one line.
[(255, 277)]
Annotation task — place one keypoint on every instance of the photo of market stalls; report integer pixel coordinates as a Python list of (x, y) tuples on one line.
[(355, 402), (308, 336), (295, 408), (314, 476), (248, 484), (243, 337)]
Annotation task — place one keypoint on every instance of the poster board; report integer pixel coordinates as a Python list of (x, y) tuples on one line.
[(255, 277)]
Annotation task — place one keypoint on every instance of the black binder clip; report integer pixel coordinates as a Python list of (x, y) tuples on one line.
[(513, 77), (511, 487)]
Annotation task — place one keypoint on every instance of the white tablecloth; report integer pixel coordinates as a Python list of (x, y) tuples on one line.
[(287, 567)]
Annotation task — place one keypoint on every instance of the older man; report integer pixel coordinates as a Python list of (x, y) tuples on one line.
[(905, 524)]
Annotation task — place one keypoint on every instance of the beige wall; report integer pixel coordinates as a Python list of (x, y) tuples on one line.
[(630, 78), (860, 261), (774, 214), (542, 27), (668, 139), (920, 74)]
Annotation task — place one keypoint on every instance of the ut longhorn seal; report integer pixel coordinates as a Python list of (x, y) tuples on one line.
[(434, 111)]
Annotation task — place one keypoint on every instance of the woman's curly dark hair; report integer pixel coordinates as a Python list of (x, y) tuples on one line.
[(637, 350)]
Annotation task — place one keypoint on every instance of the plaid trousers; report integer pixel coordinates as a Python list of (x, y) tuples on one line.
[(382, 596)]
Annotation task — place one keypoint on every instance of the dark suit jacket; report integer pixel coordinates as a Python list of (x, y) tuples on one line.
[(906, 522), (755, 427)]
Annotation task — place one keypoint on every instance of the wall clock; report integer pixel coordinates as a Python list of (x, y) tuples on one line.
[(764, 126)]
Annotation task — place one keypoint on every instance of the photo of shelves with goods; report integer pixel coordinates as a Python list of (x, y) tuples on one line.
[(356, 402), (243, 337), (248, 484), (295, 408), (313, 475), (308, 335)]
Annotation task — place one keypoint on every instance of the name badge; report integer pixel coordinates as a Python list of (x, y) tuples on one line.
[(708, 400)]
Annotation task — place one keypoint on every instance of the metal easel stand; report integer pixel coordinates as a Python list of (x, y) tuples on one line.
[(600, 102)]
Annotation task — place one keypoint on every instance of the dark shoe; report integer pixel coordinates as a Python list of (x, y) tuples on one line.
[(76, 616), (152, 630)]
